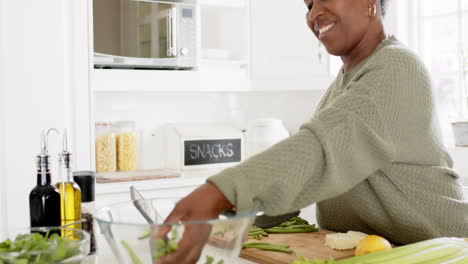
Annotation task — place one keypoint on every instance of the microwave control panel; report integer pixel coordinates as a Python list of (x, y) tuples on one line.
[(187, 31)]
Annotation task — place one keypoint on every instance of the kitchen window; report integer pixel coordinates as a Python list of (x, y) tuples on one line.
[(439, 33)]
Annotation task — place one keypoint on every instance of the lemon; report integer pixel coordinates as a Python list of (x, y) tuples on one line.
[(372, 243)]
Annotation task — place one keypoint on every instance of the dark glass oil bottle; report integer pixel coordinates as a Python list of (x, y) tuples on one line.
[(44, 199)]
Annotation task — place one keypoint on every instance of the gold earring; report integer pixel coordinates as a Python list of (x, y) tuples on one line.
[(372, 10)]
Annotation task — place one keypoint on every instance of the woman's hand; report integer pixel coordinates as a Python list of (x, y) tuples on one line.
[(206, 202)]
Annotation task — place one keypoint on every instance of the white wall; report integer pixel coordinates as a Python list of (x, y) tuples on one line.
[(33, 99), (150, 109), (2, 124), (391, 18)]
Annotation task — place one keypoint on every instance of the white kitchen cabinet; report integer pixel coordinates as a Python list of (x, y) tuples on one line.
[(223, 52), (244, 45), (36, 96)]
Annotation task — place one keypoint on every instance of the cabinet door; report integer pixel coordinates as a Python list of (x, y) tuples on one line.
[(284, 52)]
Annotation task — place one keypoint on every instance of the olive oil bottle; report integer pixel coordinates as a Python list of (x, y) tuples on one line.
[(44, 199), (70, 193)]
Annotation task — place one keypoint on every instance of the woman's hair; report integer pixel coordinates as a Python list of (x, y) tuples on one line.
[(383, 6)]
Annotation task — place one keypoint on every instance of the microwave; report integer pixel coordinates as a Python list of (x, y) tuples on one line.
[(146, 34)]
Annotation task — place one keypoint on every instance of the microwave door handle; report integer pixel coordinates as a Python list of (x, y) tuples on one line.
[(169, 33), (175, 20), (172, 33)]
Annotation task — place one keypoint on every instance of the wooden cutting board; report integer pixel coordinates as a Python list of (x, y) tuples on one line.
[(136, 175), (310, 245)]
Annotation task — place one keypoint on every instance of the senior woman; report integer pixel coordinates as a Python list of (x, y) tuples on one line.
[(371, 157)]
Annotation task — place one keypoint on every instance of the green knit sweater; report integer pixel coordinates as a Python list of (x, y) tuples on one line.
[(371, 157)]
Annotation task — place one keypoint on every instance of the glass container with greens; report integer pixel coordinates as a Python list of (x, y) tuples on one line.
[(129, 234)]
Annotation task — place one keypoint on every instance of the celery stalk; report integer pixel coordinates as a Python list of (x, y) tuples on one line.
[(458, 258), (420, 252), (428, 254), (382, 256)]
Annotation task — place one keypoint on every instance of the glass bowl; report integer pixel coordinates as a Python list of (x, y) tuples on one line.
[(128, 232), (28, 246)]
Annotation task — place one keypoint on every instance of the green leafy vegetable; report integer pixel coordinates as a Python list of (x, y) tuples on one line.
[(36, 248), (163, 248), (210, 260)]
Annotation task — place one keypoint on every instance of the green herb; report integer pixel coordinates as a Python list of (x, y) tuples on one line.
[(36, 248)]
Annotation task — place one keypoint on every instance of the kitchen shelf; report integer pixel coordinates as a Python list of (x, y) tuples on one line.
[(136, 175), (223, 64), (224, 3), (187, 179), (116, 80)]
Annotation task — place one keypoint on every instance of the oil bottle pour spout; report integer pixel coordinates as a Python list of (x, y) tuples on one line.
[(65, 155), (43, 157)]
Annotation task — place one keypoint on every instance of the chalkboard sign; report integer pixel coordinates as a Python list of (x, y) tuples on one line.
[(198, 152)]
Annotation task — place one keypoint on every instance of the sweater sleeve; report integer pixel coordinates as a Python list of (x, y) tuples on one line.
[(344, 143)]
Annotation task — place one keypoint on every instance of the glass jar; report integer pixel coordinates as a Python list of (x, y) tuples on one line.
[(127, 142), (106, 151), (87, 181)]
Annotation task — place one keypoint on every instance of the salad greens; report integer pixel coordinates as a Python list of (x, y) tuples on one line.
[(210, 260), (163, 248), (36, 248)]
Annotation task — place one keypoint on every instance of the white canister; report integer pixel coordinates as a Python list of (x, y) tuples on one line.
[(263, 133)]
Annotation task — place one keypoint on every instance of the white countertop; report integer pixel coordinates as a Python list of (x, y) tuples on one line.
[(188, 178)]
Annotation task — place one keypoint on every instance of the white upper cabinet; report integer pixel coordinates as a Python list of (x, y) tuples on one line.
[(240, 45), (285, 54)]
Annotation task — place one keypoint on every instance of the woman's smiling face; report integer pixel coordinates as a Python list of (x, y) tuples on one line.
[(339, 24)]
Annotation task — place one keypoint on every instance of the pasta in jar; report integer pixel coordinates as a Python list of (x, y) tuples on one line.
[(126, 147), (126, 151), (105, 148)]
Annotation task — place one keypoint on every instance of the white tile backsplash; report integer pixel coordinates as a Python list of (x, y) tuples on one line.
[(150, 109)]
